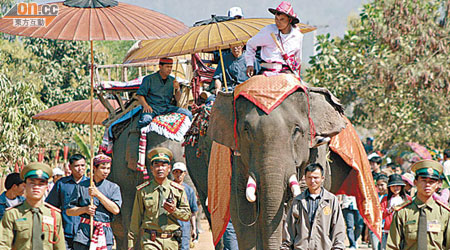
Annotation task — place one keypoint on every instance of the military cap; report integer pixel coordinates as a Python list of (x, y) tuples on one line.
[(36, 170), (161, 155), (428, 168)]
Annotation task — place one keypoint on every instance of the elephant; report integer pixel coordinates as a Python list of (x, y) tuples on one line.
[(271, 149), (124, 173)]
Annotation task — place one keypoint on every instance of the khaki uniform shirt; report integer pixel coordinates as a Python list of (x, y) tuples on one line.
[(404, 227), (147, 215), (327, 230), (17, 225)]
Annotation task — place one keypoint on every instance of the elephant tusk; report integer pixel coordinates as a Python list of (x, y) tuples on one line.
[(293, 184), (250, 191)]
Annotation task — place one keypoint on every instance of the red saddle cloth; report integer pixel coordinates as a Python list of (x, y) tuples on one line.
[(267, 92), (359, 182)]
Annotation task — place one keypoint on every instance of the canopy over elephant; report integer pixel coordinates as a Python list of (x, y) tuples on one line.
[(270, 148)]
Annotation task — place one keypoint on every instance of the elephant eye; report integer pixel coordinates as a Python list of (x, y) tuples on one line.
[(296, 133), (247, 129)]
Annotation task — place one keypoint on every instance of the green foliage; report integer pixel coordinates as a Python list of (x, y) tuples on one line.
[(19, 88), (36, 74), (85, 149), (114, 51), (391, 68), (64, 69)]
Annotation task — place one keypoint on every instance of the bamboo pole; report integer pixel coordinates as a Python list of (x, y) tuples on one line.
[(91, 133), (223, 71)]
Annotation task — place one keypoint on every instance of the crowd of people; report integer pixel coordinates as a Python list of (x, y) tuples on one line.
[(397, 183), (63, 220)]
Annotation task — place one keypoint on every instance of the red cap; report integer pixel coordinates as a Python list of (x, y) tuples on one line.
[(166, 60)]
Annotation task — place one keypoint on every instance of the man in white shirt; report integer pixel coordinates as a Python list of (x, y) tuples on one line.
[(289, 37)]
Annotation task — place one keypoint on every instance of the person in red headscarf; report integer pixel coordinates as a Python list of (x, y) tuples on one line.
[(107, 201), (289, 38)]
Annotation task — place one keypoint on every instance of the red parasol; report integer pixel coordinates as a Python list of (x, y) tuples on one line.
[(76, 112), (115, 22)]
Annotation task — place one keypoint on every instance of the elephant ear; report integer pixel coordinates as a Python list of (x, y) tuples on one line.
[(221, 121), (326, 112)]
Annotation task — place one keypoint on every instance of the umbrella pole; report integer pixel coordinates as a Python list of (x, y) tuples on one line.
[(91, 132), (224, 75)]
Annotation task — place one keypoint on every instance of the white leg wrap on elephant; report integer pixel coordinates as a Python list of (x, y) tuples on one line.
[(293, 184), (250, 191)]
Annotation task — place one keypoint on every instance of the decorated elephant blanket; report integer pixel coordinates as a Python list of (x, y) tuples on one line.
[(219, 189), (268, 92), (359, 182), (173, 126)]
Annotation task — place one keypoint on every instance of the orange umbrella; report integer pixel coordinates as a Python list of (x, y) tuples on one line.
[(76, 112), (115, 22)]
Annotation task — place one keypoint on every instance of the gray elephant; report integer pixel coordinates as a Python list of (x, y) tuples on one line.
[(272, 150), (124, 173)]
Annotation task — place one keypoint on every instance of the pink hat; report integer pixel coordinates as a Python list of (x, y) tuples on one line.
[(409, 178), (285, 8)]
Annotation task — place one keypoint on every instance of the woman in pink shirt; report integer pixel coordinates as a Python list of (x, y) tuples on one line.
[(395, 198)]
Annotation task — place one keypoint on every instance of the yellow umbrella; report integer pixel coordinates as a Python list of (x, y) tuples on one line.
[(205, 38)]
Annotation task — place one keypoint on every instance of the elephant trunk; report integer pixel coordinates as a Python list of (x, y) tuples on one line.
[(293, 184), (271, 198), (250, 191)]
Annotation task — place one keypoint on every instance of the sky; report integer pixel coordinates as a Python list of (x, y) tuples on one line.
[(330, 16)]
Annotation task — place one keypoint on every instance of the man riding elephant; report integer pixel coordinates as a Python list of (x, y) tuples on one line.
[(289, 38), (156, 92)]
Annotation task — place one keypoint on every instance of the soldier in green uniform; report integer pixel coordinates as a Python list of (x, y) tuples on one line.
[(158, 205), (422, 223), (33, 224)]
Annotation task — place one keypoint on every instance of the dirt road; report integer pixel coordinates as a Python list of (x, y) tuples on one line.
[(205, 241)]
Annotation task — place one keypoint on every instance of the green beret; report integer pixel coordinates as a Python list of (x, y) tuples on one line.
[(161, 155), (36, 170), (428, 168)]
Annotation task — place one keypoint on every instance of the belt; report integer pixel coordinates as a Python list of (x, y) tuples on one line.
[(159, 235), (274, 66), (88, 221)]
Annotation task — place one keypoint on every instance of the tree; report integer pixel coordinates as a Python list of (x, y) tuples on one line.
[(19, 136), (392, 68)]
